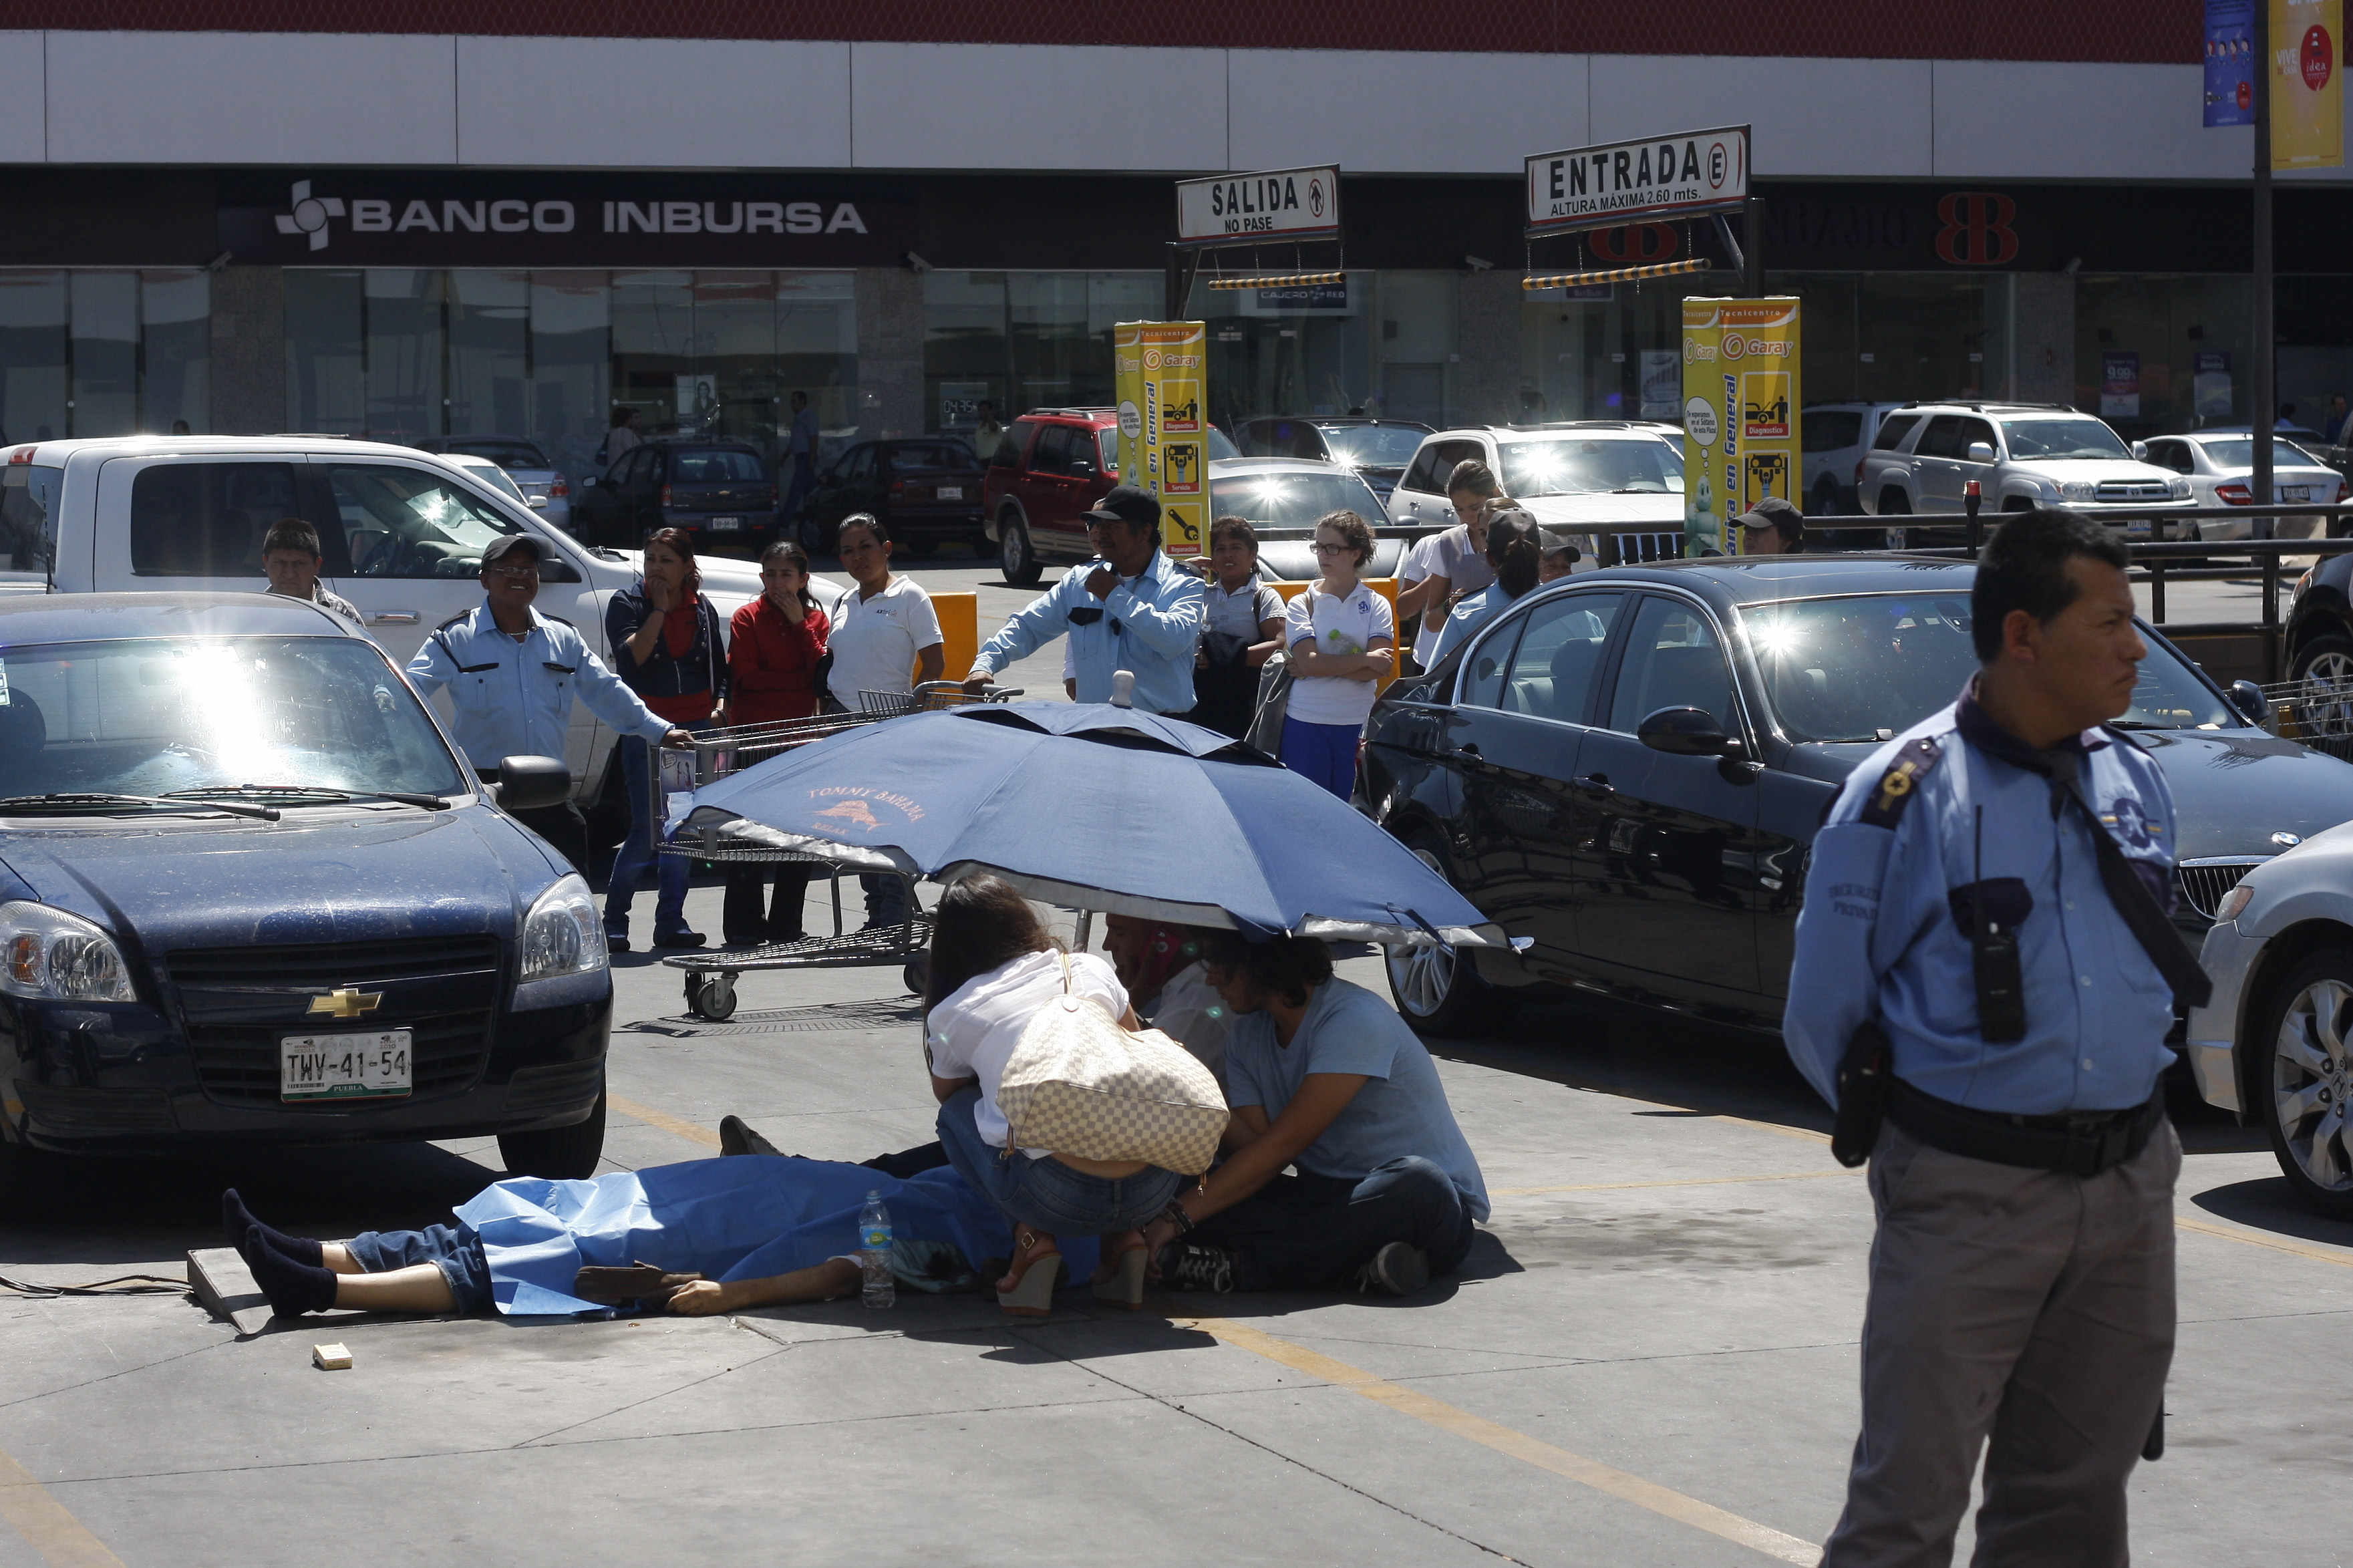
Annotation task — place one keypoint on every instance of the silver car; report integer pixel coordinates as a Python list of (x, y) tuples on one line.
[(2276, 1042), (541, 483), (2220, 463)]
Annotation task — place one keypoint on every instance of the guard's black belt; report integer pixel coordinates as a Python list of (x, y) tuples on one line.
[(2077, 1144)]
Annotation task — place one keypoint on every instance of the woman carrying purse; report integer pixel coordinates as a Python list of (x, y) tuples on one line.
[(993, 971)]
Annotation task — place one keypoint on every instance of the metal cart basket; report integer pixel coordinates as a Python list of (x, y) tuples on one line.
[(717, 753)]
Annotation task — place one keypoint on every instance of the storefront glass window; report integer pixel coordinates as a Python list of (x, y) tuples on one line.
[(489, 342), (175, 312), (817, 351), (2155, 353), (1611, 352), (105, 352), (1305, 351), (1417, 345), (403, 352), (966, 360), (1024, 339), (326, 352), (32, 355), (653, 347), (571, 366)]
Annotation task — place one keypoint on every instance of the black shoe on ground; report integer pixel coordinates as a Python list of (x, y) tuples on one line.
[(735, 1138), (1197, 1266), (678, 938), (1399, 1269), (617, 942)]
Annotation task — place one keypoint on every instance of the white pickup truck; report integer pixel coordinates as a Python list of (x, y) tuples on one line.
[(402, 532)]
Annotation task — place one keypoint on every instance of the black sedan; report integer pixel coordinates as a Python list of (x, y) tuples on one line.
[(1629, 766), (925, 491), (721, 492)]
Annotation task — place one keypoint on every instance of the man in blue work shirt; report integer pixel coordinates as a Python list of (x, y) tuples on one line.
[(1990, 891), (512, 674), (1130, 608)]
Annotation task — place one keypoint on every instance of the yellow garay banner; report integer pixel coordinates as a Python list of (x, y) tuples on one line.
[(1741, 398), (2307, 87), (1160, 375)]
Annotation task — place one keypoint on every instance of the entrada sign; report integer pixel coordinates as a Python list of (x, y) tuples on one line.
[(1280, 203), (1665, 176)]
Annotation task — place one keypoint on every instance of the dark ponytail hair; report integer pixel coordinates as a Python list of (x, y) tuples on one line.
[(788, 552), (982, 922), (1515, 550)]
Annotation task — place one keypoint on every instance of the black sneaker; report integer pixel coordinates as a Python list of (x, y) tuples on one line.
[(677, 939), (1197, 1266), (735, 1138), (1399, 1269)]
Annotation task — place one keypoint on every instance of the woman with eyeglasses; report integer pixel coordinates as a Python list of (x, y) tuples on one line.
[(884, 629), (773, 646), (668, 648), (1343, 641)]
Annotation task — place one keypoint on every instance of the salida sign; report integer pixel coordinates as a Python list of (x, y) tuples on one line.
[(1280, 203), (1588, 187)]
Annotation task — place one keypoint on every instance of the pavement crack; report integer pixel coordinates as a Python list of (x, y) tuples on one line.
[(650, 1398), (1273, 1453), (110, 1376)]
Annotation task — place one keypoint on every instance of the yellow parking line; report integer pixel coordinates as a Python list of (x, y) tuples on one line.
[(663, 1120), (44, 1522), (1685, 1181), (1664, 1501), (2249, 1238)]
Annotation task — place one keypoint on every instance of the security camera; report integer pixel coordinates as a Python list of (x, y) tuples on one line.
[(218, 262), (917, 262), (1478, 264)]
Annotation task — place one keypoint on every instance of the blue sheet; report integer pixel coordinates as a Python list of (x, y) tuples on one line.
[(743, 1219)]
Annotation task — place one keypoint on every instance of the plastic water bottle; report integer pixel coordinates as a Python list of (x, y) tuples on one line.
[(1122, 689), (874, 1252)]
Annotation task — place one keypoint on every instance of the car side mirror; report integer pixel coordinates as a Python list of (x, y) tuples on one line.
[(587, 481), (1980, 451), (1082, 468), (531, 784), (1683, 733), (2140, 450), (2248, 699), (555, 569)]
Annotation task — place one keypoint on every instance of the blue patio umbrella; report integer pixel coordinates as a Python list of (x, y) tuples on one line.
[(1096, 807)]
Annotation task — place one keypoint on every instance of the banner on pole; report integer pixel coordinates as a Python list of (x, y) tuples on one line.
[(1742, 394), (2308, 90), (1160, 376), (2229, 62)]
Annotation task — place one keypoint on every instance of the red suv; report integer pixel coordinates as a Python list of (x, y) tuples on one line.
[(1050, 467)]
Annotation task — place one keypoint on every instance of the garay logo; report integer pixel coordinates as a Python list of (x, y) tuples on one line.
[(310, 214)]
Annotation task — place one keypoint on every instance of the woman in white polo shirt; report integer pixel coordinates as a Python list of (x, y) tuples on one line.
[(1343, 642), (885, 638)]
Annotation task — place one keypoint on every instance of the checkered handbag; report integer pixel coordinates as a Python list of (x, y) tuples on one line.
[(1078, 1083)]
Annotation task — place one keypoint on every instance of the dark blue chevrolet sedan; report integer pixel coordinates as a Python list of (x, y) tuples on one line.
[(249, 890)]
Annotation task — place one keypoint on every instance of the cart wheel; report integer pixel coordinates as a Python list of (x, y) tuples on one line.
[(917, 976), (716, 999)]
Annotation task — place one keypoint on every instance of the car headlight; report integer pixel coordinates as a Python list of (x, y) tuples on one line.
[(2177, 488), (2233, 904), (50, 955), (562, 935), (2076, 489)]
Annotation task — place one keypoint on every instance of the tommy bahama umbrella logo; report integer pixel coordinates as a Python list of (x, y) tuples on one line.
[(310, 214), (866, 809)]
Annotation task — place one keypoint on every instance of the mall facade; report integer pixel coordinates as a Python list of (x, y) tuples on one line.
[(425, 233)]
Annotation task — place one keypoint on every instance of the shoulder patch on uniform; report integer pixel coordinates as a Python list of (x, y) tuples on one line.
[(1883, 807)]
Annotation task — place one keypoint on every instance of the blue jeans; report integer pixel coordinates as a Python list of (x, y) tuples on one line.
[(1324, 753), (1300, 1232), (886, 898), (1048, 1194), (638, 855), (456, 1250)]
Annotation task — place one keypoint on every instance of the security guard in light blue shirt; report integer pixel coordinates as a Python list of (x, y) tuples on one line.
[(514, 674), (1132, 608), (1984, 959)]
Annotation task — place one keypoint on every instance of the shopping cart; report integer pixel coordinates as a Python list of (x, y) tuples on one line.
[(716, 754)]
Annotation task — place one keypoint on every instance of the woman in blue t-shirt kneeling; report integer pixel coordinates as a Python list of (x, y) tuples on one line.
[(1324, 1074)]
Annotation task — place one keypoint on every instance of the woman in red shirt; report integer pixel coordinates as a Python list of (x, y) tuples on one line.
[(774, 645)]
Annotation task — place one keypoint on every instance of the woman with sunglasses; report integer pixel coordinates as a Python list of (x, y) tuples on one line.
[(1343, 641)]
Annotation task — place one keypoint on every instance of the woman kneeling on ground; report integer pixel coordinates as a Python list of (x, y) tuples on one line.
[(1323, 1075), (994, 969)]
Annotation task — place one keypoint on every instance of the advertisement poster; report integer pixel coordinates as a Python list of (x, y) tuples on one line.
[(2119, 384), (2308, 88), (1742, 390), (2229, 62), (1160, 376), (2210, 386), (1662, 385), (960, 404)]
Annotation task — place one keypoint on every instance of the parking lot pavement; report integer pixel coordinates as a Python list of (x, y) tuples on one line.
[(1650, 1359)]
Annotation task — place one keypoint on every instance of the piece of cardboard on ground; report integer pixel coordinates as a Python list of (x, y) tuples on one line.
[(226, 1286)]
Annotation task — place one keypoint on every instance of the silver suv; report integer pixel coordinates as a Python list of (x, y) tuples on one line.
[(2021, 455), (1613, 485)]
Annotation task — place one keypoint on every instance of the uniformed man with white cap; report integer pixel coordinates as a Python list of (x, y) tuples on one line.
[(514, 674)]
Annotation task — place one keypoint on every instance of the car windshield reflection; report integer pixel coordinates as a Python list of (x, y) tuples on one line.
[(1867, 666), (1574, 466), (1292, 500)]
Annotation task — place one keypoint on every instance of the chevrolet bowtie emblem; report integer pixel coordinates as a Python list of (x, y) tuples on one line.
[(347, 1003)]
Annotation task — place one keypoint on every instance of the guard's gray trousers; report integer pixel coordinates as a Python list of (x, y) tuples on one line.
[(2026, 1307)]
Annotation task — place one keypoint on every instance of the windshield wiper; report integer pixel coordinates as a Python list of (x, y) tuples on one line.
[(310, 794), (81, 801)]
